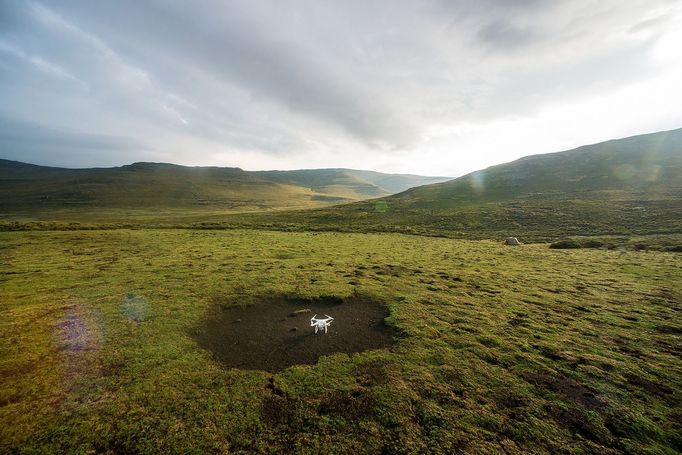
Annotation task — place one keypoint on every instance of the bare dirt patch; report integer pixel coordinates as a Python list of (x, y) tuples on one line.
[(274, 332), (570, 389), (652, 387)]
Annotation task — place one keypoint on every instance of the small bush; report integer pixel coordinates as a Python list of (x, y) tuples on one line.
[(593, 244), (564, 244)]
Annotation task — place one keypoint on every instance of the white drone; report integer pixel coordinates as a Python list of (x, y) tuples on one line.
[(321, 323)]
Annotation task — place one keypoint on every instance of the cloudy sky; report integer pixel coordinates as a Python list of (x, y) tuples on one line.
[(439, 87)]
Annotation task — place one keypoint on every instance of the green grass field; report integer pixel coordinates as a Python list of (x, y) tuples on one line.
[(497, 349), (29, 190)]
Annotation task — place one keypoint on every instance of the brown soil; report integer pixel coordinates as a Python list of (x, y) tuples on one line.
[(652, 387), (570, 389), (274, 332)]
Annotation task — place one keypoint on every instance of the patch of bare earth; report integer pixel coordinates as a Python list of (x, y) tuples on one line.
[(274, 332)]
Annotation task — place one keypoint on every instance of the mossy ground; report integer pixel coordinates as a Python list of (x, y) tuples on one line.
[(501, 349)]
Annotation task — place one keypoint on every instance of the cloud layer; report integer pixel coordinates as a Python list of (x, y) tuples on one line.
[(437, 87)]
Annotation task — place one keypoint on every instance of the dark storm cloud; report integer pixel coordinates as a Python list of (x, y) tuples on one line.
[(269, 53), (270, 67), (289, 77)]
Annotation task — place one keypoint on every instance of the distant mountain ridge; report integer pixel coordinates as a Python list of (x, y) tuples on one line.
[(147, 185), (624, 186), (649, 163)]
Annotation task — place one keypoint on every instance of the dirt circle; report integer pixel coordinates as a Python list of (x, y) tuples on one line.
[(274, 332)]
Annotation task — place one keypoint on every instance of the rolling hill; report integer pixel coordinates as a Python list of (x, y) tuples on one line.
[(357, 184), (624, 186), (27, 187)]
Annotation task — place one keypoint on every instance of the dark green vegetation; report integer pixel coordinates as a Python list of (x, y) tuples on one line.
[(33, 191), (498, 349), (636, 243), (629, 186)]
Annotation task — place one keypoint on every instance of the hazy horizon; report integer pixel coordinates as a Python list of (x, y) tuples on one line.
[(326, 168), (427, 88)]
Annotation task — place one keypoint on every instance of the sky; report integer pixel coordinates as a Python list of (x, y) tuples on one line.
[(432, 87)]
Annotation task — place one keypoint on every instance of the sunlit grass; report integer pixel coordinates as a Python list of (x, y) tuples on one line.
[(500, 348)]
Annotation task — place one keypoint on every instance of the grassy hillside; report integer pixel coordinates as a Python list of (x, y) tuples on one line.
[(645, 167), (626, 186), (27, 188), (496, 350), (357, 184)]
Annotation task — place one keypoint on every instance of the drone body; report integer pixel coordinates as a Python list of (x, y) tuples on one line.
[(321, 323)]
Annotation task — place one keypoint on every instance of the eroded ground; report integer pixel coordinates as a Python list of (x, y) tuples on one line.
[(273, 332)]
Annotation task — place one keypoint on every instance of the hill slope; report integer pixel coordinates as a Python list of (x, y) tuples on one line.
[(158, 185), (357, 184), (646, 166), (625, 186)]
